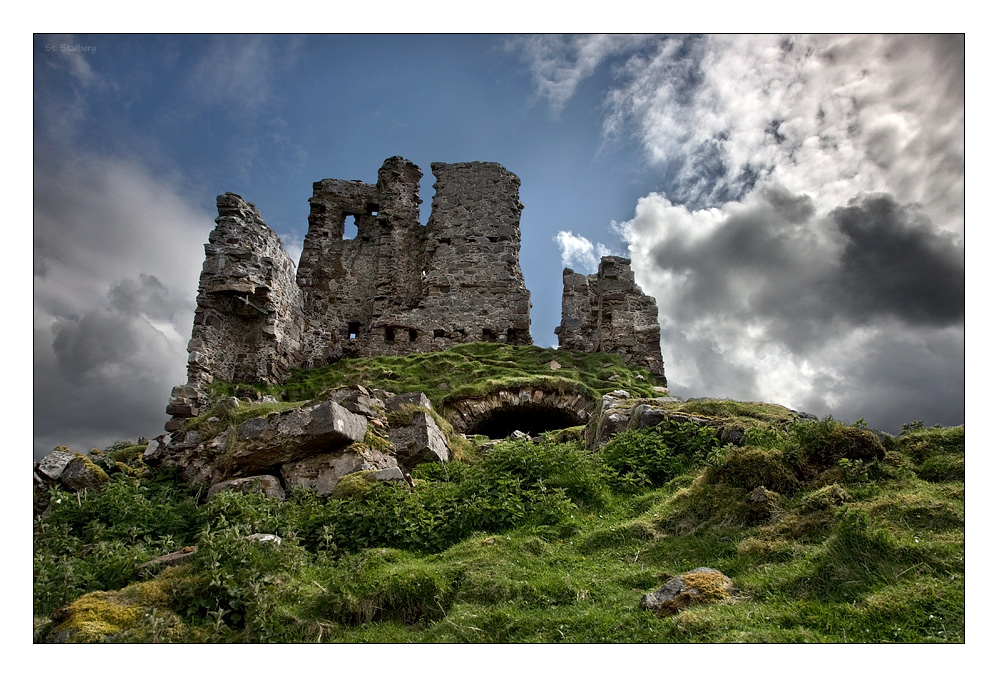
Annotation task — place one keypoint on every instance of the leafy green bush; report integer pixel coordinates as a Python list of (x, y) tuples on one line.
[(813, 446), (236, 580), (650, 457)]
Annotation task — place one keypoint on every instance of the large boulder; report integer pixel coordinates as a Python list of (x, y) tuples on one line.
[(297, 433), (52, 466), (82, 474)]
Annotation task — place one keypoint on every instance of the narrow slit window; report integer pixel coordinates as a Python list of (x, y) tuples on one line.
[(389, 335), (412, 336), (353, 330)]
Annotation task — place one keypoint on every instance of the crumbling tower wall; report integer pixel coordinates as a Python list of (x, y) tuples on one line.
[(474, 285), (399, 287), (349, 285), (608, 312), (248, 325)]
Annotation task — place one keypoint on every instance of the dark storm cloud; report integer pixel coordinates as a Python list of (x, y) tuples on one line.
[(113, 245), (105, 340), (895, 262), (854, 312), (771, 259)]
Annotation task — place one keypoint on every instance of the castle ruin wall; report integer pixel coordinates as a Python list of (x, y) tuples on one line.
[(394, 288), (608, 312)]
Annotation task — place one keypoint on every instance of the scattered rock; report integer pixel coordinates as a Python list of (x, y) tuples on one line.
[(763, 504), (554, 365), (699, 586), (54, 463), (268, 485), (265, 538), (420, 442), (646, 416), (82, 473)]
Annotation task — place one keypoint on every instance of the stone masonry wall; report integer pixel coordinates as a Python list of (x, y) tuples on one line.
[(395, 288), (608, 312), (399, 287)]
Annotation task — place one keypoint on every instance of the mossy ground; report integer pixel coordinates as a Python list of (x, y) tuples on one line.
[(544, 542)]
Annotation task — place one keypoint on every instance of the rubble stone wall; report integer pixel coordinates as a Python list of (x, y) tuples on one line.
[(608, 312)]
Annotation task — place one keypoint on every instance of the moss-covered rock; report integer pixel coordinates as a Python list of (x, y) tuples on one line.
[(82, 473), (354, 485), (699, 586), (751, 467), (109, 616)]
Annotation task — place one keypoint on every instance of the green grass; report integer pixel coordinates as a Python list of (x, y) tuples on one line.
[(549, 542), (474, 369)]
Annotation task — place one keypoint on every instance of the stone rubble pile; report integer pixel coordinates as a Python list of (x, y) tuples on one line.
[(312, 446)]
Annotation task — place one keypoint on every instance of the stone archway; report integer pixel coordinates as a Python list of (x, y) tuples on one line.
[(530, 409)]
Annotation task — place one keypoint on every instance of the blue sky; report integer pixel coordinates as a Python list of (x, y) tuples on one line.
[(795, 204)]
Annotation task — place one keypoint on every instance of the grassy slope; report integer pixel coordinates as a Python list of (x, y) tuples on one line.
[(535, 543)]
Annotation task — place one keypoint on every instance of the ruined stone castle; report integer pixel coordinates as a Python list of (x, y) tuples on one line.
[(396, 287)]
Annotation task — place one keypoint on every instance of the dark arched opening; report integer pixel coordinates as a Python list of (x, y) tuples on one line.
[(532, 419)]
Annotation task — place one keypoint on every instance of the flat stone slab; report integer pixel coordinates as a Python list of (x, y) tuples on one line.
[(290, 435)]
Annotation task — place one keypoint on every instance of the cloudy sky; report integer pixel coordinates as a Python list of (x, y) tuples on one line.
[(794, 203)]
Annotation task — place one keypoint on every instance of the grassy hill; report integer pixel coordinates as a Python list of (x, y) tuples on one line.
[(854, 539)]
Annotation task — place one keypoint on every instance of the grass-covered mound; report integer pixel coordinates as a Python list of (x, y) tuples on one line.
[(828, 533), (467, 370)]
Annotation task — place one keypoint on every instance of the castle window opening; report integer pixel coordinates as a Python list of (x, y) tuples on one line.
[(350, 228), (488, 334), (353, 330), (389, 335), (438, 333), (412, 336)]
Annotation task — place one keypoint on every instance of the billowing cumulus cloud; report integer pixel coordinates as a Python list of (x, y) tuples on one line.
[(806, 244)]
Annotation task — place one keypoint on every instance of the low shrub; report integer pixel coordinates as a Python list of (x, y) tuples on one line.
[(650, 457), (751, 467)]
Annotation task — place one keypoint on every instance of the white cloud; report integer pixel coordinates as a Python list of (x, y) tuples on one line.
[(578, 252), (830, 116), (558, 63)]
